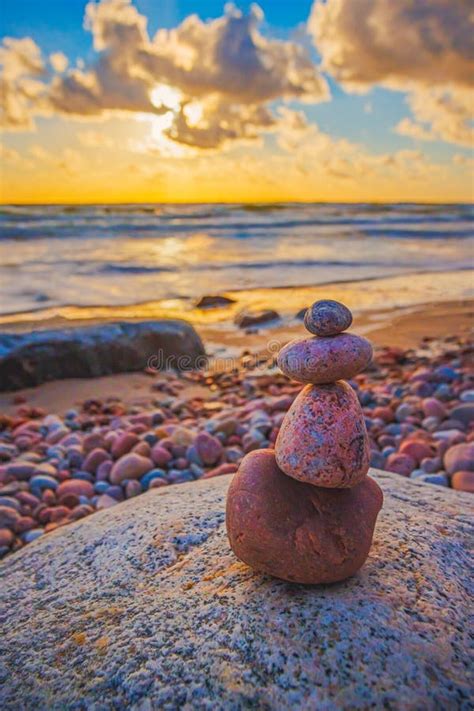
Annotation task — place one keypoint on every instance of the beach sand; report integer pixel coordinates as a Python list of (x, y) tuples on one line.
[(404, 327)]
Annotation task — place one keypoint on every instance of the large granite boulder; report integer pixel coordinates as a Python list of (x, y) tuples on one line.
[(28, 359), (144, 606)]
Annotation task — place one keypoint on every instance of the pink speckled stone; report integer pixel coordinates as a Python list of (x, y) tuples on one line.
[(323, 439), (295, 531), (325, 360)]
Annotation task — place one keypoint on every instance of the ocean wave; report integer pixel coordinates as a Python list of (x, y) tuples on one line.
[(276, 264), (132, 269), (395, 228), (109, 254)]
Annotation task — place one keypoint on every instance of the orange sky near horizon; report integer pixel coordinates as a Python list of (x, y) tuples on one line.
[(226, 110)]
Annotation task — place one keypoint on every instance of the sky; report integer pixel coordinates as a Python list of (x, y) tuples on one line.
[(184, 101)]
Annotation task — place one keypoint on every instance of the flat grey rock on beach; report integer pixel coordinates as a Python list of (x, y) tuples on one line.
[(143, 606), (28, 359)]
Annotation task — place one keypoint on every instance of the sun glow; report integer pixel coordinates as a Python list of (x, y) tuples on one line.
[(167, 97), (169, 100), (193, 112)]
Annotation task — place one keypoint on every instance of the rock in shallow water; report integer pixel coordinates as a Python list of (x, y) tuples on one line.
[(295, 531), (323, 439), (208, 302), (245, 319), (326, 318), (325, 360)]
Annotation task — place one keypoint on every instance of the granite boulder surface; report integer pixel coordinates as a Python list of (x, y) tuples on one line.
[(144, 606)]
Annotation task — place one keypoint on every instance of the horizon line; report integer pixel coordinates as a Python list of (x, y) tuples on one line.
[(240, 202)]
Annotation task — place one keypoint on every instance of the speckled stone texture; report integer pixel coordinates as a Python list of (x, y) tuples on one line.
[(323, 439), (296, 531), (325, 360), (327, 317), (143, 607)]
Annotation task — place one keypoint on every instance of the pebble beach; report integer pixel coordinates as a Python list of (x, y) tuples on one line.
[(71, 447), (418, 404)]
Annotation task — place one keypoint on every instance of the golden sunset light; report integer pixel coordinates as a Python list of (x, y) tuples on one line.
[(236, 355), (220, 110)]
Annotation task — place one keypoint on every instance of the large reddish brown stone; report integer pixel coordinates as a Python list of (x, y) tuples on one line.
[(296, 531), (323, 439)]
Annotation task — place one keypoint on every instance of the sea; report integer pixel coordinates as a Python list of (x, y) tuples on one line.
[(118, 255)]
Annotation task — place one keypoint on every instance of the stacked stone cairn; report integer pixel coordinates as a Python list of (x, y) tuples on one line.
[(305, 512)]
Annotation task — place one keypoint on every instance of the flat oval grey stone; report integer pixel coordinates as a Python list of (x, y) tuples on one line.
[(144, 606)]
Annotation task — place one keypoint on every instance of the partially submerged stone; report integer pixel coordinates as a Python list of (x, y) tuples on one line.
[(249, 318), (323, 440), (214, 301), (325, 360), (295, 531)]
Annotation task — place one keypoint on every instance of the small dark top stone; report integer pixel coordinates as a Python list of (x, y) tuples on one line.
[(327, 318)]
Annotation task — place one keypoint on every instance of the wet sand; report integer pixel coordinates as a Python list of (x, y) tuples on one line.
[(369, 295)]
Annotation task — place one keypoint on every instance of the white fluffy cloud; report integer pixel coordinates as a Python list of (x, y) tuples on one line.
[(444, 113), (392, 42), (314, 150), (423, 47), (58, 61), (224, 74), (22, 67), (413, 129)]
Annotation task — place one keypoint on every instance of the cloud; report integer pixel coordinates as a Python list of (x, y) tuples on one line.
[(412, 129), (8, 154), (11, 157), (225, 72), (67, 160), (444, 113), (21, 67), (385, 42), (221, 123), (58, 61), (95, 139), (464, 161), (317, 153), (423, 47), (20, 57)]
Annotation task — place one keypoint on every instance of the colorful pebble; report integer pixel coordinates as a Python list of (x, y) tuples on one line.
[(227, 416)]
